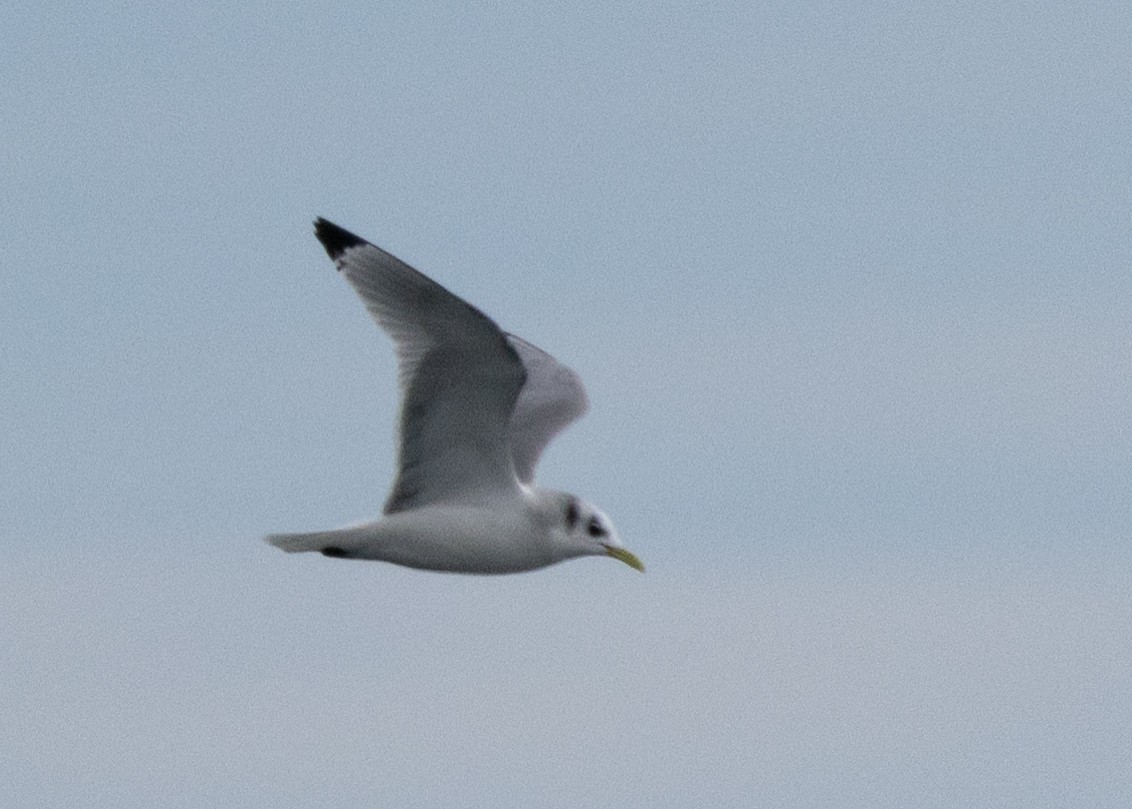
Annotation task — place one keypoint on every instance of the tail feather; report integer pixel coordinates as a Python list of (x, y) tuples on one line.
[(299, 543)]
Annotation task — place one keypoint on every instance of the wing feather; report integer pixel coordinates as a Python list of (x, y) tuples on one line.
[(551, 399), (459, 374)]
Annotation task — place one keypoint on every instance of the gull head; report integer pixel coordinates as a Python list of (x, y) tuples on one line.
[(581, 529)]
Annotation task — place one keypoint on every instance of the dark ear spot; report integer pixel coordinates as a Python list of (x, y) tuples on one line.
[(594, 527), (571, 514)]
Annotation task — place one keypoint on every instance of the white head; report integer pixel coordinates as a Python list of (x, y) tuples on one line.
[(579, 528)]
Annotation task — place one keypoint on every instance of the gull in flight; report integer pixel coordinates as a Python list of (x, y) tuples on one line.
[(479, 406)]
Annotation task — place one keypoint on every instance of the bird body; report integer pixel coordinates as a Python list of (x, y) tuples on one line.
[(451, 538)]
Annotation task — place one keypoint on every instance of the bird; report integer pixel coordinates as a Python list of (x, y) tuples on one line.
[(479, 406)]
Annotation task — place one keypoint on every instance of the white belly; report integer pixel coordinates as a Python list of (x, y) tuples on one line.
[(456, 539)]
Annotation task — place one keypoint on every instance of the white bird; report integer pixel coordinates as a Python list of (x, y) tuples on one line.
[(479, 406)]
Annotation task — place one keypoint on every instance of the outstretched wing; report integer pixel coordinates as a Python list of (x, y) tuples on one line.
[(459, 374), (551, 399)]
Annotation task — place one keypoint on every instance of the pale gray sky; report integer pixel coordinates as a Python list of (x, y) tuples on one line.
[(849, 287)]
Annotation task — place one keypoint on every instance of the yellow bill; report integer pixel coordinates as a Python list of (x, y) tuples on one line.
[(626, 556)]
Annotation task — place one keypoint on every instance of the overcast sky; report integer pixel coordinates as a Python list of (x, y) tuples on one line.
[(850, 289)]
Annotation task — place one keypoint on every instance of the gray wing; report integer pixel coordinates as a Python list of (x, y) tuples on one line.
[(459, 375), (551, 399)]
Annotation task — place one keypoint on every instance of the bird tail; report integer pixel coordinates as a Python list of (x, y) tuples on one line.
[(299, 543)]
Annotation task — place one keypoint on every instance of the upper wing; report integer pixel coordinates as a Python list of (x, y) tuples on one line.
[(550, 400), (459, 375)]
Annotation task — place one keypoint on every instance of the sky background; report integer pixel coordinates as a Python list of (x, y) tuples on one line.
[(849, 285)]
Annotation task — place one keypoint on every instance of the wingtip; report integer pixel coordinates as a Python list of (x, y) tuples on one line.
[(335, 239)]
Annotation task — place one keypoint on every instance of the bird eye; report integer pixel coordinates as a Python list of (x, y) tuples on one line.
[(594, 527)]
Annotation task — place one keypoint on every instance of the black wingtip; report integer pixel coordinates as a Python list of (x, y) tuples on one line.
[(336, 240)]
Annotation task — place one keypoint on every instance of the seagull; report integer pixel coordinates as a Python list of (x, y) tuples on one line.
[(478, 407)]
